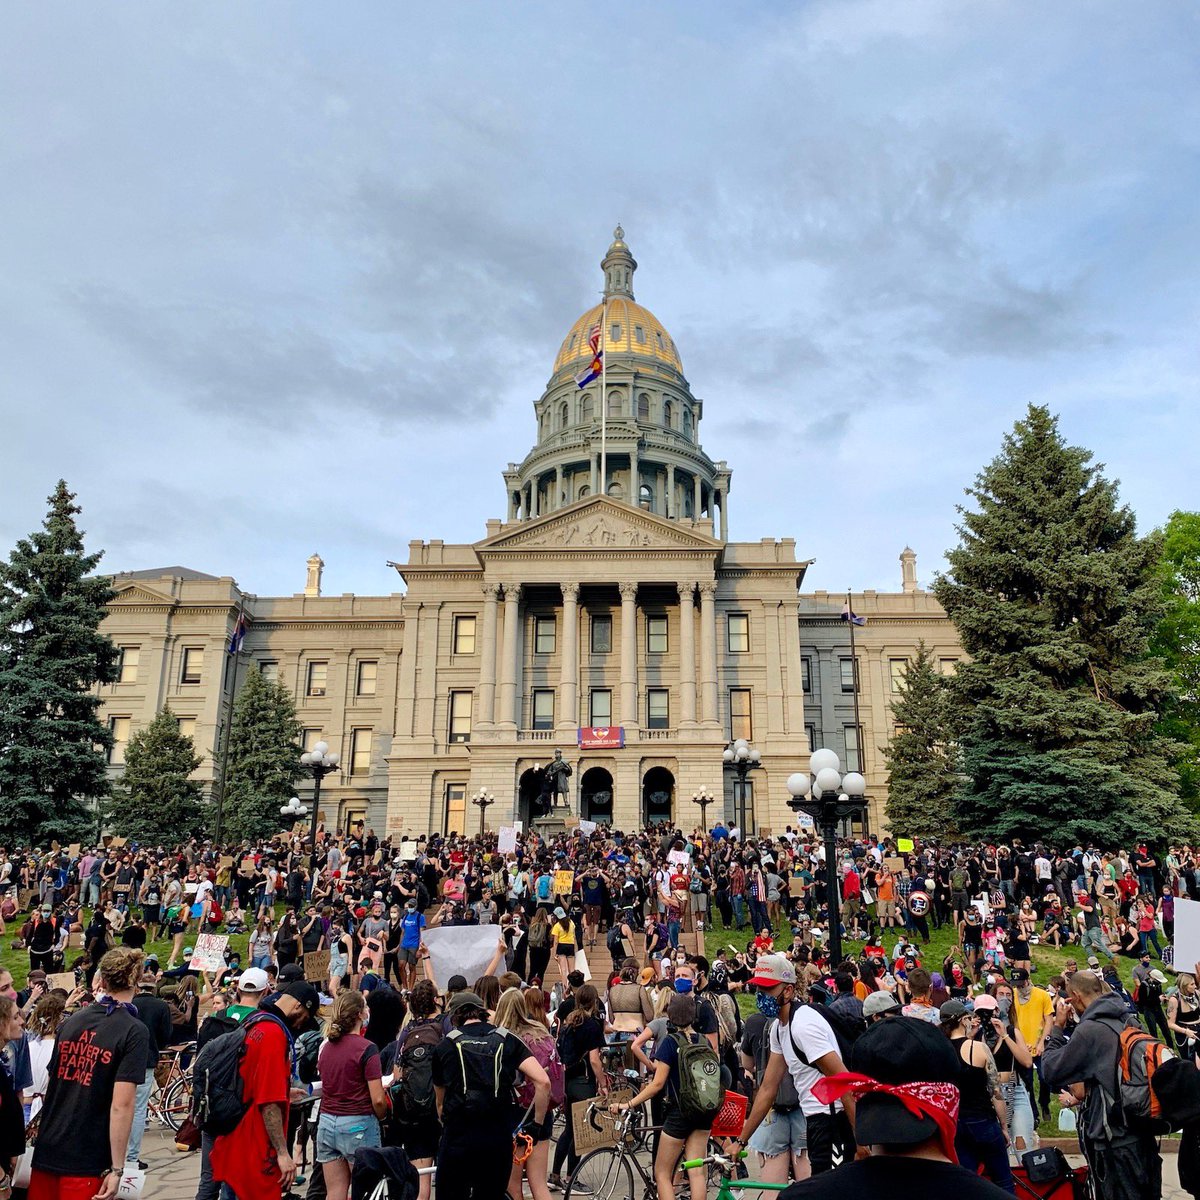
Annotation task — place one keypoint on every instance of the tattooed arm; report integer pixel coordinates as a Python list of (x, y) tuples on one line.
[(994, 1090), (272, 1118)]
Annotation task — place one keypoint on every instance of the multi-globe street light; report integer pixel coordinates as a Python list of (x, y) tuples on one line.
[(321, 761), (744, 758), (703, 798), (483, 798)]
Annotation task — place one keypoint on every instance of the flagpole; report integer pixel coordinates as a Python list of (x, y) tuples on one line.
[(858, 729), (603, 398), (237, 662)]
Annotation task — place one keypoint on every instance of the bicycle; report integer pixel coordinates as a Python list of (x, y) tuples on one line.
[(725, 1167), (171, 1097)]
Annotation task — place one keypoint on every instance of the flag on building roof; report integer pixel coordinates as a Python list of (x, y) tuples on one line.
[(597, 364), (239, 634), (853, 618)]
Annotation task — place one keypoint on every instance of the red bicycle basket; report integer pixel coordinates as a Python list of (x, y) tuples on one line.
[(732, 1116)]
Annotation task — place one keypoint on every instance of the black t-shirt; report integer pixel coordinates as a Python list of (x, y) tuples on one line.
[(156, 1016), (576, 1042), (93, 1052), (893, 1175), (447, 1073)]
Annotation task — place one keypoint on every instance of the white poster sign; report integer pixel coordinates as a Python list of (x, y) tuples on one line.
[(1187, 934), (587, 828), (461, 950), (506, 842), (209, 954), (985, 909), (581, 964), (407, 851), (805, 821), (519, 826), (679, 857)]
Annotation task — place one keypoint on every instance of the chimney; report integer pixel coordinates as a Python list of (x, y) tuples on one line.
[(313, 585), (908, 569)]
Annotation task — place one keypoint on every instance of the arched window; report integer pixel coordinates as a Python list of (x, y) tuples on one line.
[(646, 496), (584, 491), (668, 414), (687, 422), (564, 415), (643, 407), (614, 406), (585, 409)]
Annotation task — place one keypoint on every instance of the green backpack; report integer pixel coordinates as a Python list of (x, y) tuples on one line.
[(700, 1092)]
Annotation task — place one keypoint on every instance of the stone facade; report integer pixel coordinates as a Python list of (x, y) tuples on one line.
[(623, 607)]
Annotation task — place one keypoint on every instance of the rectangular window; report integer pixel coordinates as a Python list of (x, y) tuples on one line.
[(543, 635), (309, 738), (193, 664), (849, 673), (897, 667), (187, 727), (460, 716), (640, 334), (810, 732), (269, 669), (658, 708), (127, 663), (360, 751), (119, 728), (853, 743), (656, 635), (806, 676), (456, 807), (949, 666), (366, 678), (740, 723), (738, 633), (464, 635), (543, 708), (601, 706), (318, 678), (602, 635)]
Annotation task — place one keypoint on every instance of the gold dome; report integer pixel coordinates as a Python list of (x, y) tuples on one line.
[(639, 331)]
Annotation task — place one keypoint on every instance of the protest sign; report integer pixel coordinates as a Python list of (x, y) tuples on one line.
[(904, 845), (61, 979), (73, 849), (1187, 934), (118, 843), (226, 861), (805, 821), (209, 954), (461, 950), (581, 964), (506, 842), (678, 857), (247, 867), (519, 826), (587, 828), (564, 881), (894, 864), (316, 966), (589, 1134)]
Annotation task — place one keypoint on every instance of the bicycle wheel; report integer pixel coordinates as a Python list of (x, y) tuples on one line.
[(603, 1174), (177, 1102)]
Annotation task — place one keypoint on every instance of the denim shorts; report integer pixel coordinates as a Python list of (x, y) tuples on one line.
[(780, 1132), (339, 1137)]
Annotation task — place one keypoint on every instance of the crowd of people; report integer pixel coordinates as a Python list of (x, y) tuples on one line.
[(374, 1066)]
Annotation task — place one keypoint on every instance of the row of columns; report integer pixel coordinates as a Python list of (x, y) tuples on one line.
[(506, 711)]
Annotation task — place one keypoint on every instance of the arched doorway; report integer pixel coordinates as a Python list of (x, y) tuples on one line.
[(529, 791), (596, 795), (658, 795)]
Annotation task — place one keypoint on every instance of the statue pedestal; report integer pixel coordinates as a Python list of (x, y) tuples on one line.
[(552, 825)]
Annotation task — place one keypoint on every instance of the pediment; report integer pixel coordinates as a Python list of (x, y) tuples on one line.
[(599, 522), (138, 593)]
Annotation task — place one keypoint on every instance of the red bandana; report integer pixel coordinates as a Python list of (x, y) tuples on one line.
[(938, 1101)]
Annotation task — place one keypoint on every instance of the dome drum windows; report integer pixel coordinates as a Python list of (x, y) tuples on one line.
[(668, 414), (564, 415), (643, 407)]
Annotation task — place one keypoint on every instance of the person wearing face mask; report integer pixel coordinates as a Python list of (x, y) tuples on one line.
[(1012, 1056), (803, 1043), (1033, 1015)]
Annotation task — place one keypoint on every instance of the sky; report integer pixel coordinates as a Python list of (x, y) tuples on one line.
[(280, 278)]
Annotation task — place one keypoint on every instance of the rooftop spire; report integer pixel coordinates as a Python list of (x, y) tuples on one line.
[(619, 266)]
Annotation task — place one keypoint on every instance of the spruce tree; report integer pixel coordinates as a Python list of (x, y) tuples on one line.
[(264, 758), (1055, 597), (922, 772), (52, 657), (156, 802), (1177, 641)]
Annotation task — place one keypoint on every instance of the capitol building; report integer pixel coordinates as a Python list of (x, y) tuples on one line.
[(607, 615)]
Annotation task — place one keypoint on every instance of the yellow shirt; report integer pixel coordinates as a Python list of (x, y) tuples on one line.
[(564, 933), (1030, 1017)]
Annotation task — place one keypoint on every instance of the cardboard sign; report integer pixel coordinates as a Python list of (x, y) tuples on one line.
[(75, 940), (894, 864), (506, 841), (247, 867), (61, 979), (564, 881), (316, 966), (589, 1138), (209, 954), (73, 849), (117, 843), (226, 861), (904, 845), (460, 950)]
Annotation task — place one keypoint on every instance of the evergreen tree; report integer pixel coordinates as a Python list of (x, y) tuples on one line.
[(156, 801), (1055, 598), (52, 656), (922, 772), (264, 758), (1177, 641)]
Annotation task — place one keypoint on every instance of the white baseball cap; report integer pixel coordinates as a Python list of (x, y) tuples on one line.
[(253, 979)]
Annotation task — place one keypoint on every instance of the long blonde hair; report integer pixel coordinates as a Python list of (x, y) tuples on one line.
[(347, 1009), (511, 1015)]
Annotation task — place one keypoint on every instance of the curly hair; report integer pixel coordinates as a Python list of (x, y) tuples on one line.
[(47, 1015), (120, 969)]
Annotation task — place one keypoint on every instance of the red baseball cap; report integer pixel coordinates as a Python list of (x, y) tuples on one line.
[(772, 969)]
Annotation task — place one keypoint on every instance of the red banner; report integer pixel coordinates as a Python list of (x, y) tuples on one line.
[(597, 737)]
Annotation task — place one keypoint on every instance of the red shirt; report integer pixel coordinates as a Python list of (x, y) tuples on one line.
[(244, 1158)]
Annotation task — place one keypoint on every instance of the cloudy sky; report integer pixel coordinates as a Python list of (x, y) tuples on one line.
[(277, 278)]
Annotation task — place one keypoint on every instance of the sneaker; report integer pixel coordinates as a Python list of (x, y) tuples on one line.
[(554, 1183), (579, 1188)]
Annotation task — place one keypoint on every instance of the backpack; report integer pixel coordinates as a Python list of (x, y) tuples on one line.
[(412, 1094), (1140, 1055), (217, 1077), (614, 941), (215, 913), (485, 1082), (543, 887), (847, 1029), (787, 1099), (700, 1093), (546, 1052), (537, 934)]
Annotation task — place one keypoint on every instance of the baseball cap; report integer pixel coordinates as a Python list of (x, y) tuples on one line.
[(985, 1003), (291, 973), (772, 969), (253, 979), (1093, 961), (306, 996), (878, 1003), (37, 975), (147, 983), (1019, 975), (952, 1010), (559, 913), (1158, 976), (456, 983)]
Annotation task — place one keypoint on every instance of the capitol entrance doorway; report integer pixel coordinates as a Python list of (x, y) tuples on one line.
[(658, 796), (596, 795)]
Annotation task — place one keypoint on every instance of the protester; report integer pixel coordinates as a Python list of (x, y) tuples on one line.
[(156, 1016)]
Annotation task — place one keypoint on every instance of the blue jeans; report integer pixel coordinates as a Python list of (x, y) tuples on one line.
[(89, 893), (673, 928), (263, 961), (758, 915), (141, 1101), (1093, 939), (739, 911), (980, 1142), (1147, 936), (340, 1137)]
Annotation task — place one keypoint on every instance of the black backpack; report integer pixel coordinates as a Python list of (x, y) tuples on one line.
[(217, 1078), (485, 1083), (613, 941), (413, 1099), (846, 1029)]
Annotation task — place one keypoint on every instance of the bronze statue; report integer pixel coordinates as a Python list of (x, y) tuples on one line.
[(556, 775)]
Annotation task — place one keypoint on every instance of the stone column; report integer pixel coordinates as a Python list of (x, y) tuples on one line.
[(687, 653), (593, 471), (568, 682), (512, 507), (487, 662), (558, 490), (698, 490), (635, 482), (629, 709), (669, 508), (708, 652), (512, 648), (724, 516)]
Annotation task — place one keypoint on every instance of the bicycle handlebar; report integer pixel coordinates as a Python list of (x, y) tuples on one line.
[(721, 1160)]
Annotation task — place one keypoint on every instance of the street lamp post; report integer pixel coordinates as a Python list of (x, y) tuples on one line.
[(704, 799), (483, 798), (829, 797), (744, 758), (320, 760)]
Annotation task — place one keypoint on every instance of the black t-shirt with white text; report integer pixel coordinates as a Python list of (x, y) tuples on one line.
[(93, 1052), (894, 1175)]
